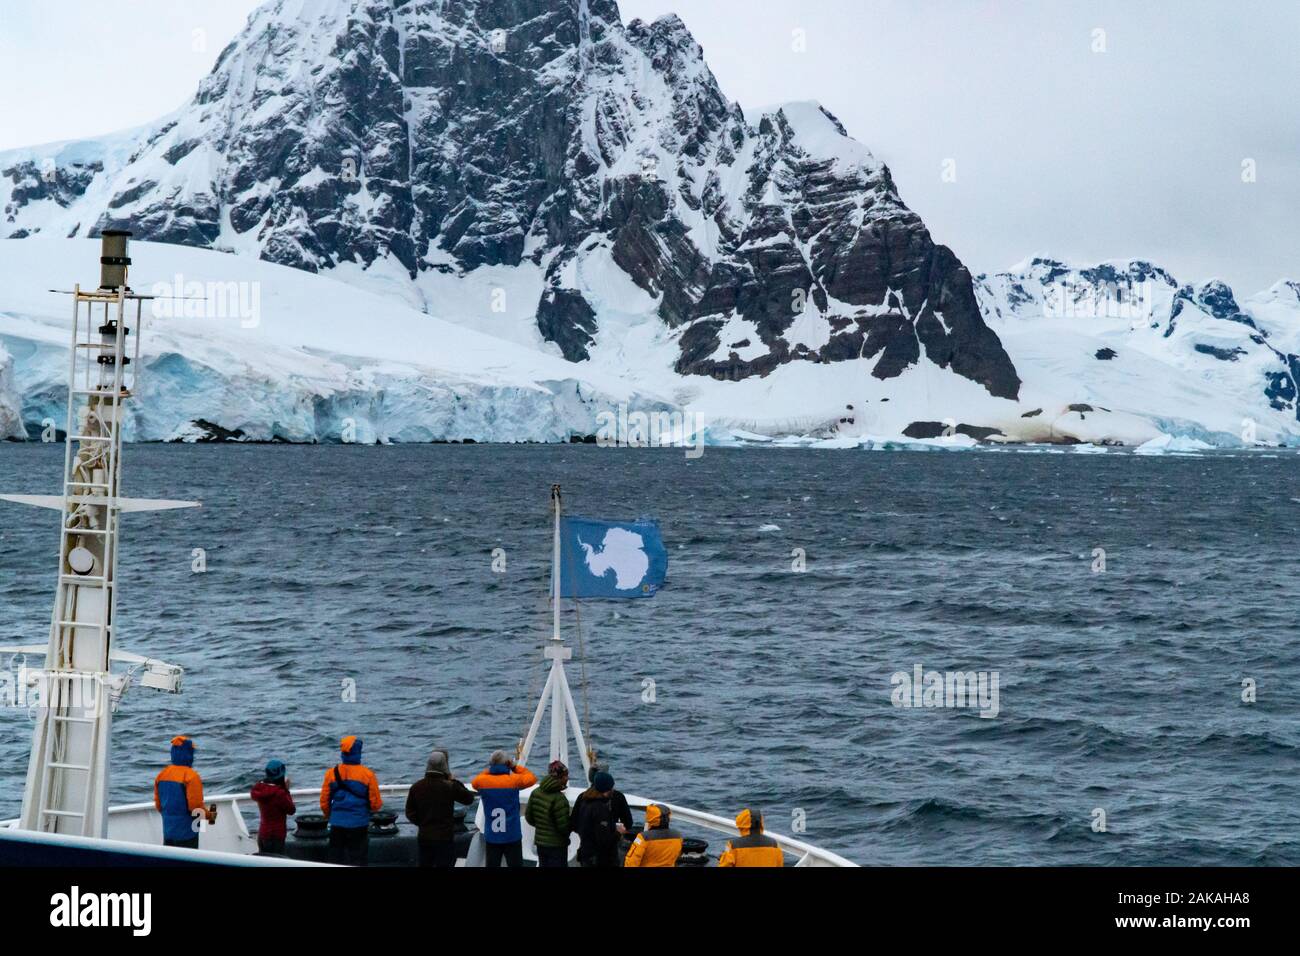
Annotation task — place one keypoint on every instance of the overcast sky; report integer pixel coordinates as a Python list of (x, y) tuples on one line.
[(1082, 130)]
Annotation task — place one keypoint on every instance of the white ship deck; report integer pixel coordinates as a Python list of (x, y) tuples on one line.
[(137, 827)]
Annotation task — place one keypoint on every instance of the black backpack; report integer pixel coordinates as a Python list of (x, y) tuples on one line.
[(598, 822)]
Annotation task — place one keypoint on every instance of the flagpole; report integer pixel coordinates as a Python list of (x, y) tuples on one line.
[(555, 563), (556, 694), (559, 712)]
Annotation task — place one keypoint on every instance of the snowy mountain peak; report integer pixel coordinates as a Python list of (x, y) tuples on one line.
[(447, 150), (1284, 290), (1216, 298), (1236, 361)]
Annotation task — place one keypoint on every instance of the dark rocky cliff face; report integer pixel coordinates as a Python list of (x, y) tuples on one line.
[(454, 134), (846, 240)]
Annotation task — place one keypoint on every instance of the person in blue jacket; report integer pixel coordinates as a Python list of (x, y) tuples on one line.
[(498, 788), (178, 796), (348, 795)]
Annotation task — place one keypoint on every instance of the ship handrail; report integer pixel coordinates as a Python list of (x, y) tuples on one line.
[(805, 854), (151, 851)]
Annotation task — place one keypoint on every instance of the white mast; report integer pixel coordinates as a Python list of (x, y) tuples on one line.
[(556, 693), (68, 771)]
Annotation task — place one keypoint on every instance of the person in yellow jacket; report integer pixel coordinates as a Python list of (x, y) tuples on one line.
[(753, 847), (348, 795), (656, 845)]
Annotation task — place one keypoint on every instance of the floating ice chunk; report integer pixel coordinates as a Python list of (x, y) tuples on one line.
[(1171, 444)]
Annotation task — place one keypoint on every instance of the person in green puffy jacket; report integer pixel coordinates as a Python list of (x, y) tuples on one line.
[(548, 815)]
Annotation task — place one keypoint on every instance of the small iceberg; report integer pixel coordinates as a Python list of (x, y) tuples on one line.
[(1172, 445)]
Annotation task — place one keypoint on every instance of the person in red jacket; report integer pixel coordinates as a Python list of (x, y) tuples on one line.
[(274, 803)]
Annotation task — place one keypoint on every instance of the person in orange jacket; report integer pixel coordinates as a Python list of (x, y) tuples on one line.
[(178, 796), (753, 847), (348, 795), (656, 845)]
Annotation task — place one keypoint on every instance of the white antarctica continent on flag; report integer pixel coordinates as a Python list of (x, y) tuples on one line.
[(624, 552)]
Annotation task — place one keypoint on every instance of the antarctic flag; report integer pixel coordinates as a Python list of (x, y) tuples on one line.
[(611, 559)]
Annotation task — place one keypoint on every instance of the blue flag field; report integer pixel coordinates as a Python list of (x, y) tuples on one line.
[(611, 559)]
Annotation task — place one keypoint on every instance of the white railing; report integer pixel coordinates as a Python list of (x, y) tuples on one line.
[(145, 852), (805, 854), (140, 824)]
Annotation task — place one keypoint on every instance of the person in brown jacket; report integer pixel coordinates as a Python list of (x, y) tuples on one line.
[(430, 805)]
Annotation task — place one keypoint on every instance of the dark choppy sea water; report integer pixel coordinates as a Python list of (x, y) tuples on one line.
[(1118, 690)]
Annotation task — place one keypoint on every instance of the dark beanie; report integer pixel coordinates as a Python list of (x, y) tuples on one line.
[(602, 782)]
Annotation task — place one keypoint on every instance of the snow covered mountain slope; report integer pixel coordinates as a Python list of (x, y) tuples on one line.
[(1137, 350), (275, 353), (509, 165), (271, 352)]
